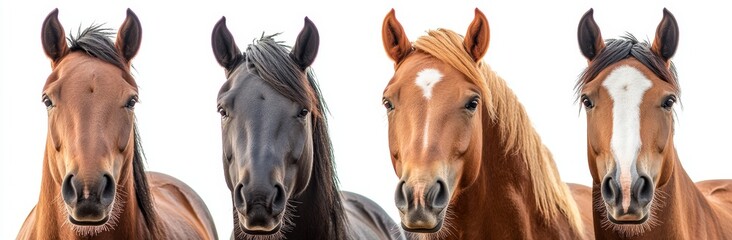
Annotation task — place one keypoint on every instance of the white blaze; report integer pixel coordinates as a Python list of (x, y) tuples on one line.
[(426, 79), (626, 86)]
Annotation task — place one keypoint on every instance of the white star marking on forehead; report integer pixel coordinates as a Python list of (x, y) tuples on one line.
[(426, 79)]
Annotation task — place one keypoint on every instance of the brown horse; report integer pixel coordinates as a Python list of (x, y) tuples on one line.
[(641, 190), (94, 185), (471, 166)]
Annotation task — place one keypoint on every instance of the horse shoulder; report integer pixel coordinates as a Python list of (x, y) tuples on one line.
[(719, 194), (27, 230), (367, 220), (583, 197), (180, 208), (718, 191)]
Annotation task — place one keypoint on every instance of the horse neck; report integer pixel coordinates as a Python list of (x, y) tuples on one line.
[(316, 217), (52, 223), (505, 189), (683, 211)]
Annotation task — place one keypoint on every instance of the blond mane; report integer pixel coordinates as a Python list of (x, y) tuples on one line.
[(552, 196)]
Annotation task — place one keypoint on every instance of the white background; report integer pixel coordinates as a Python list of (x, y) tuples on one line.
[(533, 47)]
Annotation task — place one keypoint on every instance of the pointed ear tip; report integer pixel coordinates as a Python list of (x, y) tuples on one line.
[(479, 14), (666, 12), (589, 13), (308, 21), (53, 13), (391, 13), (221, 21)]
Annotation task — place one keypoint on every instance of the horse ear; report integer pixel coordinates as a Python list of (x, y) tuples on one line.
[(478, 36), (224, 47), (129, 36), (589, 37), (667, 37), (306, 45), (52, 37), (395, 40)]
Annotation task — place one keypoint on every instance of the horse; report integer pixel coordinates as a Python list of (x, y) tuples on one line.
[(277, 154), (94, 184), (471, 165), (640, 189)]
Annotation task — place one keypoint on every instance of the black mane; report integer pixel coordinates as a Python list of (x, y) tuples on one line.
[(271, 60), (96, 41), (142, 189), (625, 47)]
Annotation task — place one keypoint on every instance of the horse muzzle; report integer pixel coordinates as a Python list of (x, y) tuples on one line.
[(421, 206), (88, 203), (627, 206), (260, 210)]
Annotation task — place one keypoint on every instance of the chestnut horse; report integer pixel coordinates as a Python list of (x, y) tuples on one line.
[(641, 190), (94, 184), (471, 165), (277, 155)]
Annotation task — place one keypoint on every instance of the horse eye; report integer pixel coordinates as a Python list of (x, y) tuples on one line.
[(387, 104), (131, 103), (47, 101), (669, 103), (222, 112), (587, 102), (304, 112), (472, 105)]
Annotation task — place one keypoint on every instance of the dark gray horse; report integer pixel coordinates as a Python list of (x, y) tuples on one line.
[(276, 149)]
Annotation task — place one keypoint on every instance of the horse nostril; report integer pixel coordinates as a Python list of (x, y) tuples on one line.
[(68, 192), (643, 189), (279, 200), (239, 200), (440, 195), (400, 197), (108, 189), (609, 190)]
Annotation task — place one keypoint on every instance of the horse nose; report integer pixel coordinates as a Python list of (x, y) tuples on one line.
[(402, 197), (435, 197), (439, 195), (258, 200), (422, 206), (88, 201), (610, 190), (627, 205), (643, 190)]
